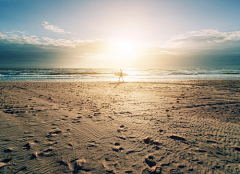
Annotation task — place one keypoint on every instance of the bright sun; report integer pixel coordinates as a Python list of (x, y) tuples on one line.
[(124, 49), (124, 52)]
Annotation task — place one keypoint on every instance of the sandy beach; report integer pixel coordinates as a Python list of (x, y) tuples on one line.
[(106, 127)]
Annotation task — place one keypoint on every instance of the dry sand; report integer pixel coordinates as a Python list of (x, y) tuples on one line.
[(102, 127)]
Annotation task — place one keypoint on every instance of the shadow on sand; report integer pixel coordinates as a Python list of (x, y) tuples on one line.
[(116, 84)]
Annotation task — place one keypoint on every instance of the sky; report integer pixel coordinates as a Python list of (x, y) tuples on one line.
[(119, 34)]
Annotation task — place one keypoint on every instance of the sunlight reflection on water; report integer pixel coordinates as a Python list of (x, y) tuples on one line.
[(134, 75)]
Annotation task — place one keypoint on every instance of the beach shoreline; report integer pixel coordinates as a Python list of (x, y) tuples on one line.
[(180, 126), (111, 74)]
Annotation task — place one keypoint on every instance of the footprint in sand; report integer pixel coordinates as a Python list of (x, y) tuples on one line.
[(161, 131), (237, 148), (122, 129), (52, 133), (150, 161), (117, 147), (148, 140), (6, 160), (48, 152), (27, 146), (34, 155), (76, 120), (174, 137), (79, 165), (8, 150)]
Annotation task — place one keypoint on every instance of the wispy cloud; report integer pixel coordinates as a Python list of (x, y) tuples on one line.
[(53, 28), (13, 39), (205, 39), (23, 38), (18, 37)]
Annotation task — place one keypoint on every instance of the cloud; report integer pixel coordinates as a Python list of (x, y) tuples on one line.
[(19, 49), (205, 39), (193, 41), (219, 48), (53, 28), (203, 48), (22, 38), (19, 37)]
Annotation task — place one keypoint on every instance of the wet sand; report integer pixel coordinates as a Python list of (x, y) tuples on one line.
[(102, 127)]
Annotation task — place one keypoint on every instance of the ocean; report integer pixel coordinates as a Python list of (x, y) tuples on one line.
[(134, 75)]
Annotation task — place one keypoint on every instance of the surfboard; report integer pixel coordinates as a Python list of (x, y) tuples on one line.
[(123, 74)]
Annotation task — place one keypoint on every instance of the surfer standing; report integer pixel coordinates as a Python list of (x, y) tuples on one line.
[(121, 76)]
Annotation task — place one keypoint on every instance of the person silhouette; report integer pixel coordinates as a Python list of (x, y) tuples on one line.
[(121, 76)]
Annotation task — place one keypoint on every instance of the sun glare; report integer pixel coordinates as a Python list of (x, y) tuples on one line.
[(124, 52), (124, 49)]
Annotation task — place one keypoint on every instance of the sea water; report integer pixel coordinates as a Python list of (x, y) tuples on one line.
[(134, 75)]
